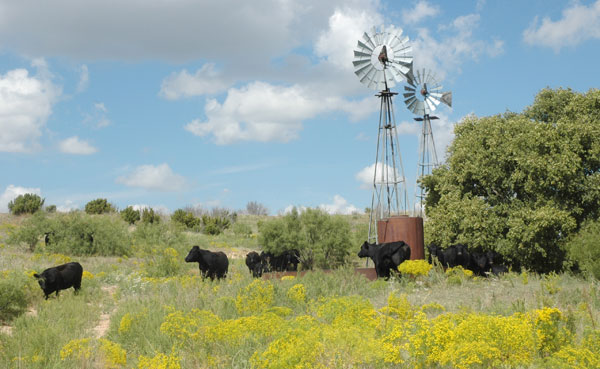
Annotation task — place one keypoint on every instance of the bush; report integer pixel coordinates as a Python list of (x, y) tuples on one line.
[(149, 216), (148, 236), (51, 209), (215, 225), (31, 231), (242, 230), (99, 206), (323, 240), (583, 248), (28, 203), (130, 215), (15, 294), (75, 233), (185, 218)]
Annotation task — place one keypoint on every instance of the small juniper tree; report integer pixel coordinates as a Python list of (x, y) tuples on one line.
[(130, 215), (28, 203), (99, 206)]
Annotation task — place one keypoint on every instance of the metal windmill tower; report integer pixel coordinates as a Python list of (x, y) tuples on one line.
[(382, 58), (422, 96)]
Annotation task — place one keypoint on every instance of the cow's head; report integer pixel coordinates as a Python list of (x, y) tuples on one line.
[(45, 279), (479, 259), (193, 255), (365, 250), (461, 250)]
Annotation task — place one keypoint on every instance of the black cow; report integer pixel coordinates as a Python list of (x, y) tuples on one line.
[(60, 277), (495, 263), (211, 264), (456, 255), (385, 256), (435, 252), (479, 264), (255, 264), (286, 261)]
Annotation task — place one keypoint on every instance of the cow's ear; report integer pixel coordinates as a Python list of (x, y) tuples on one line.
[(35, 275)]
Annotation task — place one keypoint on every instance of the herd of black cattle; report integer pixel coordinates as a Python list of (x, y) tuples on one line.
[(386, 258)]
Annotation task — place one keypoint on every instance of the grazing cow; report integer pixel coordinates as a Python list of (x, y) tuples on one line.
[(255, 264), (435, 252), (385, 256), (60, 277), (211, 264)]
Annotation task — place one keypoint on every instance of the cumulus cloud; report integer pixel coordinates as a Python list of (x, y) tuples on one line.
[(366, 175), (11, 192), (346, 27), (25, 105), (339, 206), (67, 206), (264, 112), (421, 11), (456, 44), (151, 177), (206, 81), (578, 24), (77, 146)]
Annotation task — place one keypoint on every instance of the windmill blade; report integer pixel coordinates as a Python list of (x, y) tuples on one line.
[(361, 63), (409, 88), (410, 103), (364, 46), (408, 95), (361, 55), (447, 98), (368, 40), (363, 71)]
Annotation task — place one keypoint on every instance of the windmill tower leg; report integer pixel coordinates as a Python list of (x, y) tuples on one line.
[(427, 162), (389, 185)]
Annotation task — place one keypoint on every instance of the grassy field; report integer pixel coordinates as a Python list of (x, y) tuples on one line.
[(129, 316)]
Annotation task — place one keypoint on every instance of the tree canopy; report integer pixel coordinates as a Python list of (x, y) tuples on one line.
[(520, 183)]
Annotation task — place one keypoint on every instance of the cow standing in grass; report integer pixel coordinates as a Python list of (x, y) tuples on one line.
[(60, 277), (385, 256), (211, 264)]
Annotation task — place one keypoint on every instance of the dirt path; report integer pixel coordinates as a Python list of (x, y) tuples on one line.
[(104, 323)]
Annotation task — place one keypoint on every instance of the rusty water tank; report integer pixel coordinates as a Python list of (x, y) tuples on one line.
[(403, 228)]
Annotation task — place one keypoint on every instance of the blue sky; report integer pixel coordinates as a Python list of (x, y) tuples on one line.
[(217, 103)]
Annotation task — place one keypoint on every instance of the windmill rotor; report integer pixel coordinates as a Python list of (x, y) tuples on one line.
[(382, 58), (424, 92)]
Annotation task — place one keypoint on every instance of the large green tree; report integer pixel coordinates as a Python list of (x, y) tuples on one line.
[(520, 183)]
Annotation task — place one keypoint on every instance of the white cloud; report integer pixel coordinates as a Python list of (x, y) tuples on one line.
[(421, 11), (206, 81), (84, 78), (68, 206), (366, 175), (97, 117), (11, 192), (346, 27), (339, 206), (74, 145), (264, 112), (25, 105), (456, 44), (150, 177), (578, 24)]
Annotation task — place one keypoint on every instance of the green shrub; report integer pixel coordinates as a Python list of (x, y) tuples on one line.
[(16, 292), (130, 215), (51, 209), (164, 263), (242, 229), (323, 240), (148, 236), (99, 206), (583, 248), (28, 203), (149, 216), (185, 218), (75, 233), (31, 231), (215, 225)]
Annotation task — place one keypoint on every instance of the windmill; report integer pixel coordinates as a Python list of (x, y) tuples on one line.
[(422, 96), (381, 59)]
